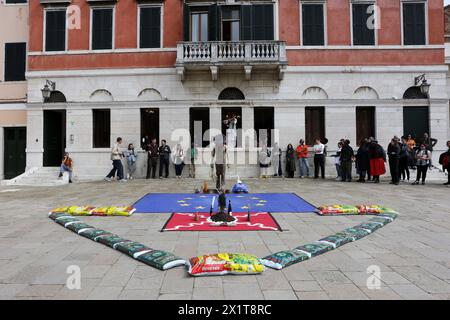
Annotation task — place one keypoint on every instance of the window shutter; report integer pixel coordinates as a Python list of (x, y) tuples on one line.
[(362, 35), (313, 24), (55, 30), (186, 22), (246, 22), (262, 22), (414, 23), (213, 11), (15, 61), (102, 29), (150, 27)]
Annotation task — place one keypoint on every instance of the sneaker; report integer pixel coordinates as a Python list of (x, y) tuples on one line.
[(415, 182), (160, 177), (423, 182), (122, 180), (60, 175), (107, 179), (70, 181), (447, 184)]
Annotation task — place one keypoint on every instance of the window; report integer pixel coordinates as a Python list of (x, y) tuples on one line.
[(313, 24), (365, 123), (149, 125), (231, 24), (263, 124), (414, 23), (257, 22), (199, 26), (102, 28), (102, 128), (15, 61), (150, 27), (361, 15), (314, 124), (55, 30), (416, 122), (15, 1), (198, 125)]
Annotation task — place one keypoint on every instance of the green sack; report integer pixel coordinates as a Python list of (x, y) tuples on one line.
[(356, 233), (371, 226), (337, 239), (55, 215), (63, 220), (314, 249), (383, 220), (78, 226), (94, 233), (110, 240), (392, 215), (161, 260), (132, 248), (283, 259)]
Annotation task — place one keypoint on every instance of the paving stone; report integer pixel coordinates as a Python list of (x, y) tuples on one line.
[(345, 291), (312, 295), (202, 293), (242, 291), (410, 292), (305, 285), (139, 295), (279, 295), (105, 293), (39, 290)]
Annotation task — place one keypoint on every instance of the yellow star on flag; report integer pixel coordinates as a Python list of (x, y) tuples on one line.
[(181, 201), (199, 207), (260, 204), (244, 207), (184, 204)]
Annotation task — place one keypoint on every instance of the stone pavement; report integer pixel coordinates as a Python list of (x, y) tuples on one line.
[(413, 252)]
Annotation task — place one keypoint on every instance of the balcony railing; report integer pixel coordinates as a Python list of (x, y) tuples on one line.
[(223, 52)]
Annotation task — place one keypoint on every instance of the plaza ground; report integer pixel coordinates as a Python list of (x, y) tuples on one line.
[(413, 252)]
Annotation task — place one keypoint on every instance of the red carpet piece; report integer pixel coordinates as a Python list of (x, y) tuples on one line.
[(259, 221)]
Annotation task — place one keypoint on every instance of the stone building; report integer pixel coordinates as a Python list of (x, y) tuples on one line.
[(305, 69), (13, 87)]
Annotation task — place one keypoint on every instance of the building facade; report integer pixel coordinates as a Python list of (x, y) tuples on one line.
[(13, 87), (298, 68)]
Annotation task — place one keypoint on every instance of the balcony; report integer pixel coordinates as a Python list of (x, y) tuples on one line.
[(215, 55)]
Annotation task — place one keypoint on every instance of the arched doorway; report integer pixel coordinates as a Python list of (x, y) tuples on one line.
[(416, 119), (232, 116)]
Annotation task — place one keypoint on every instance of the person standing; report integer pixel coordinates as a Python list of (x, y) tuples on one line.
[(302, 155), (411, 150), (178, 160), (429, 143), (164, 158), (276, 160), (264, 161), (346, 157), (66, 166), (363, 160), (404, 160), (393, 151), (131, 156), (377, 159), (423, 156), (116, 157), (193, 152), (219, 155), (337, 161), (444, 160), (319, 159), (152, 158), (290, 161)]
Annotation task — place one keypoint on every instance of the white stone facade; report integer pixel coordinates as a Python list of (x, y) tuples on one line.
[(339, 89)]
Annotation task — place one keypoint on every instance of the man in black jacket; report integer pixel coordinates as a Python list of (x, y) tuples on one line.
[(164, 157), (346, 158), (394, 158), (446, 162), (152, 160)]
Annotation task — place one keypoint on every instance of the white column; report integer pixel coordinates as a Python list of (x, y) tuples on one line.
[(439, 127), (389, 123), (290, 123), (340, 122), (35, 138), (2, 150)]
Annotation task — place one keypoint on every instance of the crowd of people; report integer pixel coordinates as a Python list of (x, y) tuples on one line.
[(370, 159)]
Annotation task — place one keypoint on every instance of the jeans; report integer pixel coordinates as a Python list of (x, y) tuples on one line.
[(338, 170), (117, 167), (346, 170), (179, 169), (131, 168), (163, 162), (422, 172), (65, 168), (394, 168), (319, 163), (152, 162), (303, 166), (220, 175)]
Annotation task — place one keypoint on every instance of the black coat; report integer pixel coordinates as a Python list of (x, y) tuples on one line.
[(362, 158)]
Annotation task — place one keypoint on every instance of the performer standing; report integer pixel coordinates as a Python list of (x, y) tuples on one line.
[(231, 123), (219, 154)]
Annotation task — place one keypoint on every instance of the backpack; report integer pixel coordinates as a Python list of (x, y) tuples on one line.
[(444, 159)]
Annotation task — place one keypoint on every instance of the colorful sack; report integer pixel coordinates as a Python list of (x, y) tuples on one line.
[(383, 220), (391, 215), (93, 234), (60, 209), (63, 220), (132, 248), (54, 215), (337, 239), (373, 209), (80, 211), (284, 259), (225, 263), (316, 248), (337, 210), (78, 226), (100, 211), (110, 240), (159, 259), (120, 211)]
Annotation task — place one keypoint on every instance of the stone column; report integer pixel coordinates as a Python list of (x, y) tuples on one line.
[(35, 138)]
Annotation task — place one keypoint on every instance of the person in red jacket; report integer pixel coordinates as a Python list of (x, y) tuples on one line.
[(302, 155)]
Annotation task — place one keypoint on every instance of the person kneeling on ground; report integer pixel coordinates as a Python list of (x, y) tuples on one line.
[(66, 166)]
